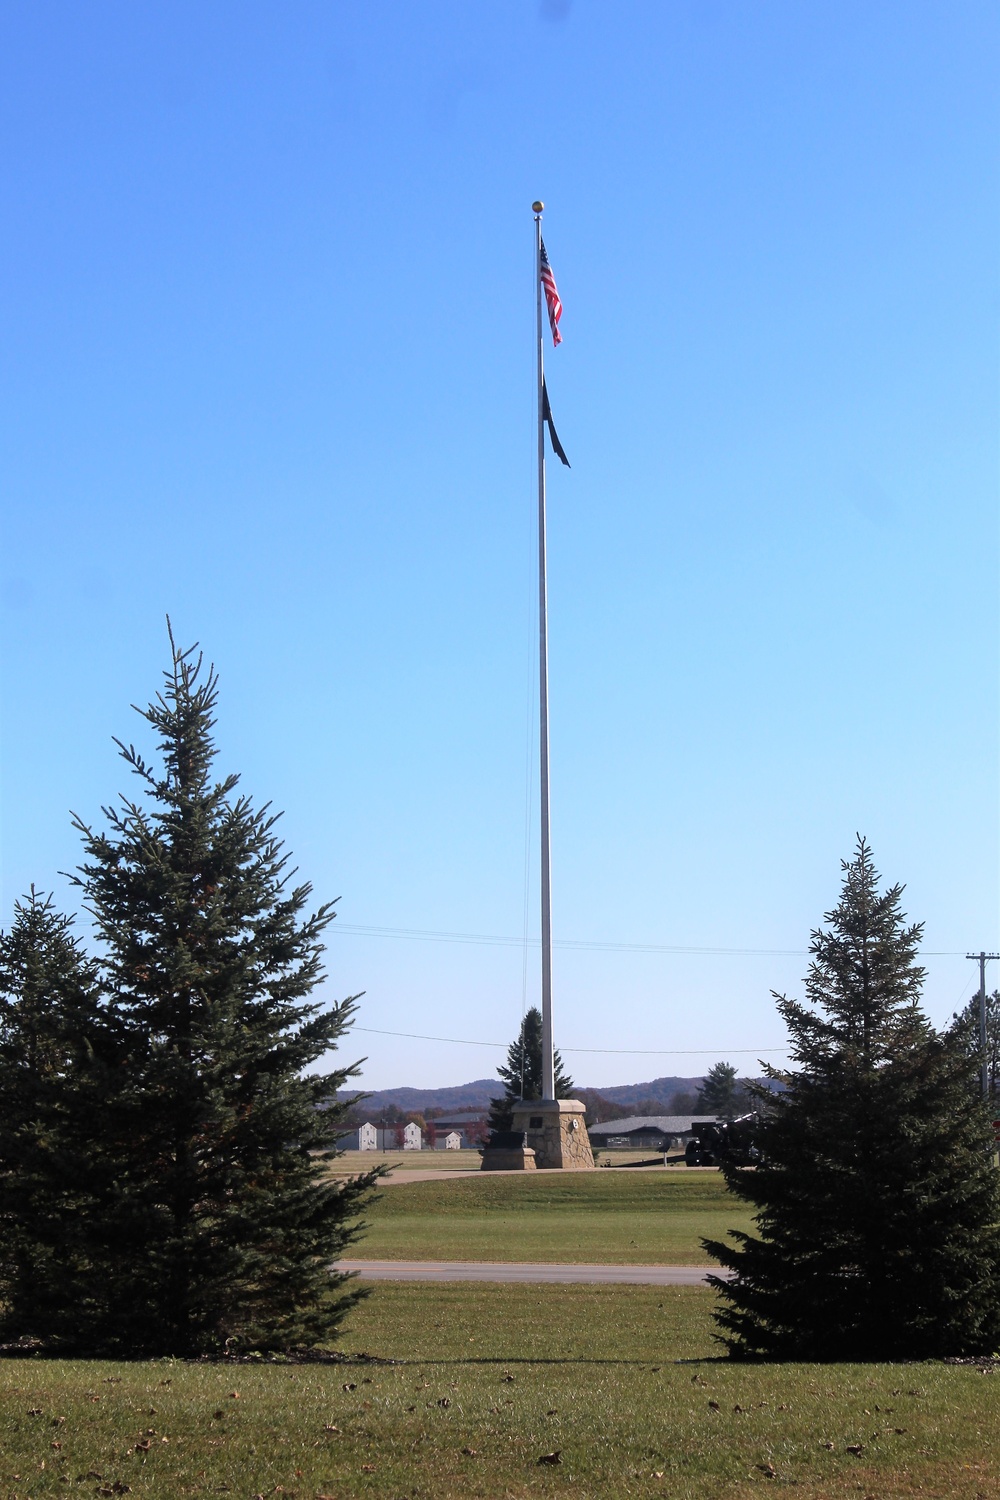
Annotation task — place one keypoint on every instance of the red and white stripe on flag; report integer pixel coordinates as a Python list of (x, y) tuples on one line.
[(552, 301)]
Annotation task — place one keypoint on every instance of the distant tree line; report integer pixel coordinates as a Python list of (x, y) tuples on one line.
[(720, 1092), (968, 1021)]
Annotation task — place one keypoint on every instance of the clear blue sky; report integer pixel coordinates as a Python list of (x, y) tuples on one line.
[(266, 291)]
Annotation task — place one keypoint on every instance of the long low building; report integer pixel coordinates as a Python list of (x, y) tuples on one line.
[(646, 1132)]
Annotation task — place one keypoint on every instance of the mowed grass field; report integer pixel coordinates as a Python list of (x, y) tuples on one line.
[(620, 1382), (350, 1162), (611, 1217)]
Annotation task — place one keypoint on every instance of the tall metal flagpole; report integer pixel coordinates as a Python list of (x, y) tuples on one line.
[(548, 1067)]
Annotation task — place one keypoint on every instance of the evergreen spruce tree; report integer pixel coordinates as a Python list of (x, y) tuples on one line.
[(522, 1075), (56, 1055), (968, 1019), (720, 1093), (877, 1205), (225, 1220)]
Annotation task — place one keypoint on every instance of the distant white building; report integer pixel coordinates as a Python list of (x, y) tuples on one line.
[(372, 1138), (469, 1125)]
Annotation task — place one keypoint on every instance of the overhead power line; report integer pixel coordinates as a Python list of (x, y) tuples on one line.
[(498, 941), (460, 1041), (495, 940)]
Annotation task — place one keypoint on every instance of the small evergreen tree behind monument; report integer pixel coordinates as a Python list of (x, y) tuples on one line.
[(720, 1092), (522, 1073), (225, 1220), (876, 1198)]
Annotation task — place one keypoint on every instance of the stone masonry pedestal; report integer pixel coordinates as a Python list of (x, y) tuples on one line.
[(507, 1152), (554, 1129)]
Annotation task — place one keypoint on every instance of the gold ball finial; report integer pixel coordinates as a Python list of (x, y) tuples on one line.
[(537, 206)]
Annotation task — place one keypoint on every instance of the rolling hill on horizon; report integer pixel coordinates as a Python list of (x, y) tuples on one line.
[(478, 1093)]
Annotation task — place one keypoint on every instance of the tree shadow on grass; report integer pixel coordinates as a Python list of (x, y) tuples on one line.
[(506, 1364)]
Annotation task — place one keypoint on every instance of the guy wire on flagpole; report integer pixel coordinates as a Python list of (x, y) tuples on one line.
[(548, 1069)]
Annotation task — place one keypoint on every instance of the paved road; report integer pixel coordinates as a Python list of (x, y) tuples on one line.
[(522, 1271), (449, 1174)]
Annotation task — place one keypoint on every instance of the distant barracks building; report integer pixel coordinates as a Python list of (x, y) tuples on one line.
[(647, 1132)]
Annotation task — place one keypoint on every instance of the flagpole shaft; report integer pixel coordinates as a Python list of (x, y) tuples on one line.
[(548, 1065)]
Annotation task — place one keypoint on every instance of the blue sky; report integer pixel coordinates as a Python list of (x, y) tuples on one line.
[(267, 310)]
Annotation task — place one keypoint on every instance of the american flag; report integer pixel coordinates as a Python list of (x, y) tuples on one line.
[(551, 297)]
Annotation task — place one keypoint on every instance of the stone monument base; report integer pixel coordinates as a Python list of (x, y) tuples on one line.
[(508, 1159), (555, 1131)]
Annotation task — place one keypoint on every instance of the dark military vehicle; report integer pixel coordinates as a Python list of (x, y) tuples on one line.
[(724, 1140)]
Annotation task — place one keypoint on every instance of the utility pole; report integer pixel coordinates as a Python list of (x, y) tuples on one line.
[(982, 959)]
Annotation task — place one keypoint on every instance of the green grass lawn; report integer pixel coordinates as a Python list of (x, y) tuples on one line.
[(619, 1380), (635, 1218), (350, 1162)]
